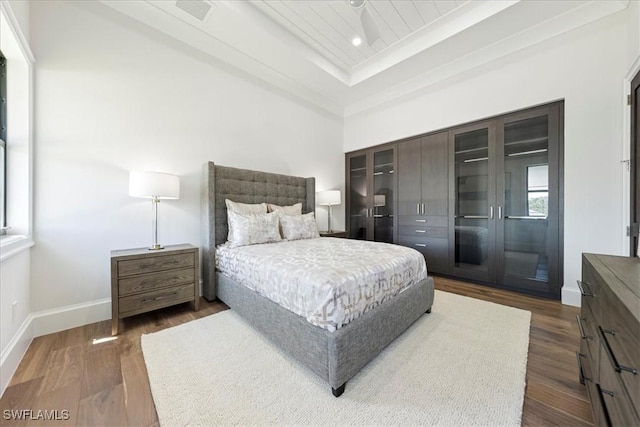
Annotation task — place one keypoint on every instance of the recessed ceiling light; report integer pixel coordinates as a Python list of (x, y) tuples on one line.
[(357, 41)]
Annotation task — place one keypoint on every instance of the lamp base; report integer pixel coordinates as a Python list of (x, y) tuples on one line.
[(156, 247)]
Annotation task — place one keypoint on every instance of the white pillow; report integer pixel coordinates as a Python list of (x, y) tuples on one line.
[(245, 208), (295, 227), (252, 229), (286, 210)]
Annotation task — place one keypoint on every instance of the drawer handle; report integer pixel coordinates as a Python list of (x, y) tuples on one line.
[(582, 334), (160, 297), (421, 231), (605, 391), (582, 291), (422, 245), (582, 377), (607, 347), (421, 220)]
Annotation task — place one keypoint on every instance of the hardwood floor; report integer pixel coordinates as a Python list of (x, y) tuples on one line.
[(106, 383)]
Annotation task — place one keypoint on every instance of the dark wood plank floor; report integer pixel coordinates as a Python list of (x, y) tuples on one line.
[(106, 383)]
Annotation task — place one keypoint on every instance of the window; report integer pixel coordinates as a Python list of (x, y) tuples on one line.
[(3, 139), (538, 190)]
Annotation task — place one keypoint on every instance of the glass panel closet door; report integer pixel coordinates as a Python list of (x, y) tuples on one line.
[(383, 195), (528, 207), (473, 183), (358, 192)]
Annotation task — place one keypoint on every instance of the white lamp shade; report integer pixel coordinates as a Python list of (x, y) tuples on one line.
[(328, 198), (379, 200), (154, 184)]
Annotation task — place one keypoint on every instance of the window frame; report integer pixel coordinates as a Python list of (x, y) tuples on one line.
[(3, 142)]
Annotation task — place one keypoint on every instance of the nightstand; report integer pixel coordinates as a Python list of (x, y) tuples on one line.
[(143, 280), (334, 233)]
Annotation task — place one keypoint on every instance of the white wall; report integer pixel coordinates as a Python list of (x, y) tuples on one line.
[(112, 96), (585, 68)]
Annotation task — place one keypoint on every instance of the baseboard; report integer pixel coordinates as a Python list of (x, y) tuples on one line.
[(70, 316), (15, 351), (47, 322), (571, 296)]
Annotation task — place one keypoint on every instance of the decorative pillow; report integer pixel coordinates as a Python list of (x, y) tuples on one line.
[(295, 227), (252, 229), (286, 210), (245, 208)]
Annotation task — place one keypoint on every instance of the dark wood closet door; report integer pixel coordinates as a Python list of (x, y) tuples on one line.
[(472, 189), (409, 177), (528, 201), (634, 164), (435, 174)]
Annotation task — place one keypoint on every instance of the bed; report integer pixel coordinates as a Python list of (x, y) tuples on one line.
[(335, 356)]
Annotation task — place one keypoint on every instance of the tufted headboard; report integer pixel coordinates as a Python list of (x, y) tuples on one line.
[(244, 186)]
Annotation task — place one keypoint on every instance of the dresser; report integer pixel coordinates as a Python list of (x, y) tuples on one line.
[(143, 280), (609, 324)]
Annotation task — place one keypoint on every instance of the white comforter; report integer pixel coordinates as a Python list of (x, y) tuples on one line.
[(328, 281)]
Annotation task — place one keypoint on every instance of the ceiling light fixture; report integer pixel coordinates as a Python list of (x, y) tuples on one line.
[(369, 25), (357, 41)]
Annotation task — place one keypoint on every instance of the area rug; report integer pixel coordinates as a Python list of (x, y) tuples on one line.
[(464, 364)]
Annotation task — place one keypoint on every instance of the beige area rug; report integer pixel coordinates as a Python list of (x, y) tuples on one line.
[(464, 364)]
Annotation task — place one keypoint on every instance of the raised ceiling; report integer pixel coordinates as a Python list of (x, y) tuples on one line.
[(330, 26), (304, 46)]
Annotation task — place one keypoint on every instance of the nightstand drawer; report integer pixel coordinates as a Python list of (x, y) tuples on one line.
[(141, 303), (158, 263), (146, 282)]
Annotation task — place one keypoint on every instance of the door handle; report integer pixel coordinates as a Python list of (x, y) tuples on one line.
[(491, 212), (422, 204), (499, 212), (417, 208)]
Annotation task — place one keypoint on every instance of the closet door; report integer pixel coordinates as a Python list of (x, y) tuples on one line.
[(472, 188), (357, 195), (409, 178), (383, 193), (527, 238), (371, 194)]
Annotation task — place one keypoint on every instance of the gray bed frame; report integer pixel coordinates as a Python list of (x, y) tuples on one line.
[(335, 356)]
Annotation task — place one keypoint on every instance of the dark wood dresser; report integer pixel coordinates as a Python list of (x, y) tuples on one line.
[(609, 323), (143, 280)]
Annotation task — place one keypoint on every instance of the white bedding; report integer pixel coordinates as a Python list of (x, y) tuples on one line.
[(328, 281)]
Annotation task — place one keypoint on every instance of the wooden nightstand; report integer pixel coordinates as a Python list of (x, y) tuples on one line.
[(334, 233), (144, 280)]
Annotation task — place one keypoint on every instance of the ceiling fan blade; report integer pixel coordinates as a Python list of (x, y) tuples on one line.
[(369, 25)]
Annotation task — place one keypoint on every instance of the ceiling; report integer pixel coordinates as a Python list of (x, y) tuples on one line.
[(330, 26), (304, 46)]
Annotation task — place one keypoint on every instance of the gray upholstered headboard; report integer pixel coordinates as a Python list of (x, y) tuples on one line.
[(244, 186)]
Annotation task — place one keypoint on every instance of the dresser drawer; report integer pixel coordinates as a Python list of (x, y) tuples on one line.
[(591, 289), (435, 251), (141, 303), (589, 339), (622, 343), (152, 281), (423, 231), (434, 221), (153, 264), (616, 401)]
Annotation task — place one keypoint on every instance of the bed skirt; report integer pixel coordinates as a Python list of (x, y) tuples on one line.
[(334, 356)]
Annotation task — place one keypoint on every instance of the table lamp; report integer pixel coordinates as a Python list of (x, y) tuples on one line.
[(328, 198), (154, 186)]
